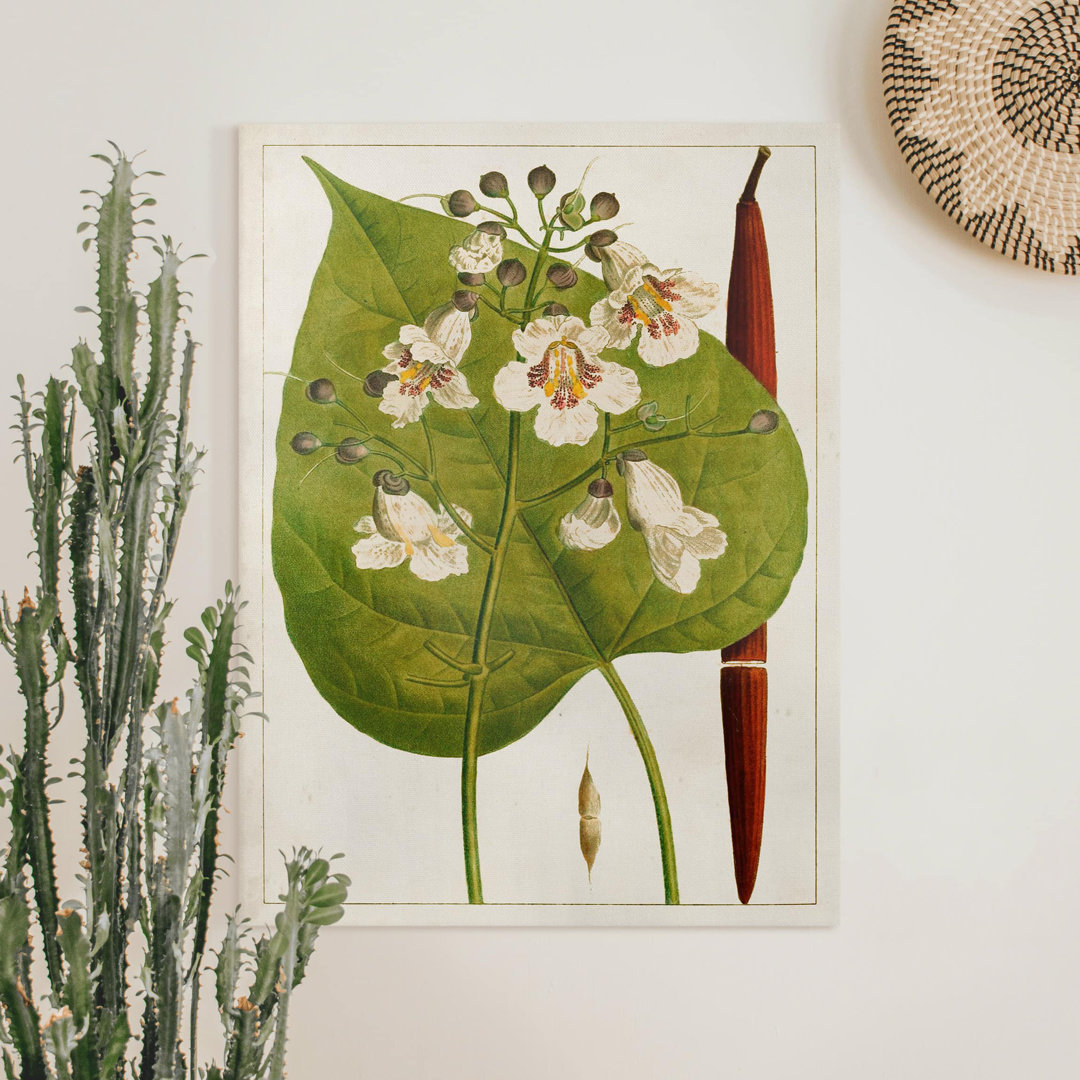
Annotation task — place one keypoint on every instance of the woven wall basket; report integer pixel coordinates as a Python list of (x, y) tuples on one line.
[(984, 99)]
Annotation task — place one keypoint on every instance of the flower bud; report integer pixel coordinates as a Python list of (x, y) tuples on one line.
[(541, 180), (647, 409), (464, 300), (654, 423), (604, 205), (763, 422), (390, 482), (510, 272), (603, 238), (492, 228), (305, 442), (553, 309), (321, 391), (594, 522), (350, 451), (571, 206), (460, 203), (377, 381), (562, 276), (470, 279), (494, 185), (629, 455), (592, 253)]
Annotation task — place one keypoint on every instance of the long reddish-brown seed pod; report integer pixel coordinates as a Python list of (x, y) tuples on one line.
[(744, 682)]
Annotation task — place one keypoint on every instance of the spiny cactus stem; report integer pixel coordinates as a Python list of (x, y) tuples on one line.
[(81, 545), (114, 241), (176, 512), (16, 993), (215, 707), (30, 662), (24, 435), (241, 1060)]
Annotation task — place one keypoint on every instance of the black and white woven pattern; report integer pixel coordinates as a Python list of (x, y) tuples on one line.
[(984, 99)]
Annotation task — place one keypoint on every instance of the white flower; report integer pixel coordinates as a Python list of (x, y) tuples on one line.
[(676, 536), (480, 251), (663, 303), (595, 521), (563, 374), (404, 526), (425, 360)]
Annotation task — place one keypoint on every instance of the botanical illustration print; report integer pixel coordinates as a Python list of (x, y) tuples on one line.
[(509, 455)]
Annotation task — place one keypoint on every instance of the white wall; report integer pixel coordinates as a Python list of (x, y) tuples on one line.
[(957, 950)]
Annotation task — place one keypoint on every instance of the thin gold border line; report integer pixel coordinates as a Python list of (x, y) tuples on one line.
[(559, 903), (262, 524), (817, 502)]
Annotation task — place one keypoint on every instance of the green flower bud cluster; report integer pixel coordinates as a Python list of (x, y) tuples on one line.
[(474, 262), (323, 392)]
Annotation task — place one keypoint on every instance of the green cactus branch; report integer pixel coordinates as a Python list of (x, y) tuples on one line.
[(16, 991), (30, 663)]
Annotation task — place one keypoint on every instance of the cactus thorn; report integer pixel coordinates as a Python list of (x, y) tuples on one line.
[(63, 1014)]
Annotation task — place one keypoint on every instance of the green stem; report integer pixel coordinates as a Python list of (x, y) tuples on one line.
[(474, 706), (511, 223), (541, 255), (521, 312), (477, 683), (692, 433), (497, 310), (562, 488), (432, 477), (637, 726), (572, 247), (606, 456), (656, 781)]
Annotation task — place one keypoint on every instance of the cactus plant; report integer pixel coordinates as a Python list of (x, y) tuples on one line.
[(124, 963)]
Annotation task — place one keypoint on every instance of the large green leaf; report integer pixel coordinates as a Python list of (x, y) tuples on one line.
[(361, 633)]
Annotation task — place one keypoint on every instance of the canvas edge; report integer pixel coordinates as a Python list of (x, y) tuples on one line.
[(250, 858)]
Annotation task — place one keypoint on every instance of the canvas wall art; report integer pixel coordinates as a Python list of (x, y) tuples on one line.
[(538, 520)]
